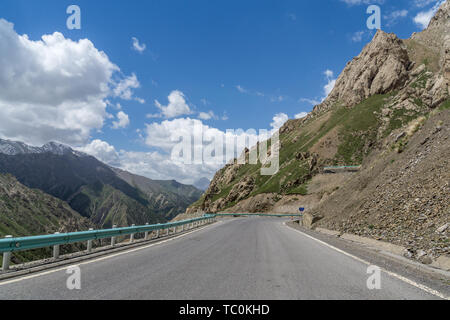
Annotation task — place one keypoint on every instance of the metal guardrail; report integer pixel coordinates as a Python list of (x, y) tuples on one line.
[(257, 214), (10, 244)]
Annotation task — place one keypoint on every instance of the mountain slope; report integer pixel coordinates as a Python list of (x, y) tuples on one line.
[(92, 188), (383, 106), (168, 198), (401, 197), (25, 212)]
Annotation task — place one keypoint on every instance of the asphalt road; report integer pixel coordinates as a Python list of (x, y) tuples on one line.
[(245, 258)]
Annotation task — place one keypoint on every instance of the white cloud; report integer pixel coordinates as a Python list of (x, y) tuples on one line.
[(241, 89), (395, 15), (123, 121), (207, 115), (140, 100), (53, 88), (103, 151), (423, 18), (159, 166), (137, 46), (124, 88), (164, 137), (167, 134), (312, 102), (154, 165), (424, 3), (279, 120), (301, 115), (359, 2), (177, 106), (331, 82), (358, 36), (277, 99), (329, 87), (328, 73)]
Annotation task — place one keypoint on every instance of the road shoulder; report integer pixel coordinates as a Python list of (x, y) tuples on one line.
[(436, 279)]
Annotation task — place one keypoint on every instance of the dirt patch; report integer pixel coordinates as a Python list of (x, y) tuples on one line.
[(327, 146), (328, 183)]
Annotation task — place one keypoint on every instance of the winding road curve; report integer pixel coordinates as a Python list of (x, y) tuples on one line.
[(244, 258)]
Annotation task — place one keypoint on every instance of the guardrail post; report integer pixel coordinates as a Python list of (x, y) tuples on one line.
[(182, 228), (6, 258), (89, 243), (167, 231), (113, 239), (56, 250), (132, 235), (146, 232), (157, 233)]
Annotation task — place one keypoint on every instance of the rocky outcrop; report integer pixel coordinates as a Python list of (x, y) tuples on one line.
[(381, 67), (446, 62)]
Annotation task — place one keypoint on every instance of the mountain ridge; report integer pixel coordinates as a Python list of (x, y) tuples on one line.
[(95, 190)]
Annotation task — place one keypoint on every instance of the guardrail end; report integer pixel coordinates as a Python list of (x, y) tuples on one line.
[(6, 258), (56, 250)]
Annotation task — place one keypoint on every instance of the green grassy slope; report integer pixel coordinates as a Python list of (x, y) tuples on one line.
[(347, 135), (25, 212)]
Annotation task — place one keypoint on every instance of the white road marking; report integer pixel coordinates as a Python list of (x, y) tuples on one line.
[(39, 274), (392, 274)]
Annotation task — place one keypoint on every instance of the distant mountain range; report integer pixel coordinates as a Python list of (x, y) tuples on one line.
[(103, 195)]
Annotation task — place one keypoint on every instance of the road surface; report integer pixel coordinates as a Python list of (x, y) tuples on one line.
[(245, 258)]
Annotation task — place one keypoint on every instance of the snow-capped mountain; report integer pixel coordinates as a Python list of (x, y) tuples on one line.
[(13, 148)]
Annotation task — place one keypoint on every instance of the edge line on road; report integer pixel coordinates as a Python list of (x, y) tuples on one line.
[(113, 255), (392, 274)]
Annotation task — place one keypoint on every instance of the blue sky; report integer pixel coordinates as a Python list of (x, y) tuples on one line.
[(229, 64)]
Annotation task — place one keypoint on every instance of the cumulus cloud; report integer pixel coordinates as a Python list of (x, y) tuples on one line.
[(103, 151), (163, 137), (53, 88), (138, 46), (169, 133), (279, 120), (124, 88), (177, 106), (155, 165), (123, 121)]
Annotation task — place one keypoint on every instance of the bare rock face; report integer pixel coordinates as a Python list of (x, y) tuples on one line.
[(446, 62), (241, 190), (438, 28), (381, 67)]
